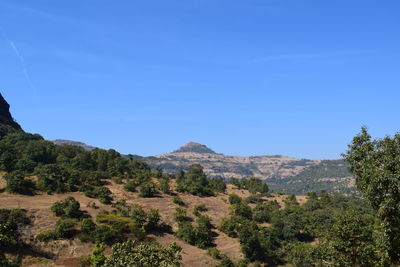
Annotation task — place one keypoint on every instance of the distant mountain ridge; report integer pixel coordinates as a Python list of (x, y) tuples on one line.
[(283, 174), (74, 143)]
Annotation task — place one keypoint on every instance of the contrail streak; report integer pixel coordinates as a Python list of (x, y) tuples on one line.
[(21, 60)]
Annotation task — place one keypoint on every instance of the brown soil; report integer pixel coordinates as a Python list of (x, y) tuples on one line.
[(68, 252)]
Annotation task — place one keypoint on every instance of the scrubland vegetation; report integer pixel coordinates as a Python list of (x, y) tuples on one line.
[(327, 230)]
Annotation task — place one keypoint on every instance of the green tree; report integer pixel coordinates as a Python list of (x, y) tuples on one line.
[(351, 241), (17, 183), (375, 164)]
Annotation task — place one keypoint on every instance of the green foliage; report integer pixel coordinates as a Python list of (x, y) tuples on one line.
[(131, 220), (4, 262), (98, 258), (311, 179), (351, 241), (10, 221), (65, 229), (63, 168), (130, 186), (68, 208), (144, 255), (164, 185), (147, 189), (217, 185), (180, 215), (242, 210), (17, 183), (263, 212), (225, 262), (198, 209), (100, 192), (196, 182), (375, 163), (253, 184), (178, 200), (301, 255), (234, 199), (214, 253)]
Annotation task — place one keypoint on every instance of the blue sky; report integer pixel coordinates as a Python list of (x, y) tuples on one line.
[(290, 77)]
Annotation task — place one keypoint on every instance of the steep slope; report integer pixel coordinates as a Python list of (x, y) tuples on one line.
[(5, 115)]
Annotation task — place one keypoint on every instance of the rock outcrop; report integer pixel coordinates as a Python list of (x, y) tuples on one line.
[(5, 115)]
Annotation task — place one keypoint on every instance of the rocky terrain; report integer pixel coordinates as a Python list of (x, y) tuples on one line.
[(283, 174), (5, 115)]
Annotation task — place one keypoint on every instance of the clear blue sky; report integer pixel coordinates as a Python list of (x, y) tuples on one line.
[(290, 77)]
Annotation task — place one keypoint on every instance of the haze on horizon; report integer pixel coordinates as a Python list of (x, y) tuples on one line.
[(295, 78)]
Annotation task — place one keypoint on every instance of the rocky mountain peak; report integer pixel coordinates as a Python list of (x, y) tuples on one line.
[(5, 115), (194, 147)]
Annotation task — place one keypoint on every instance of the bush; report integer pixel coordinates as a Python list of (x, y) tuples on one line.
[(226, 262), (180, 215), (194, 182), (177, 200), (130, 186), (214, 253), (17, 183), (65, 229), (164, 186), (153, 220), (199, 235), (147, 189), (234, 199), (100, 192), (68, 208), (144, 255)]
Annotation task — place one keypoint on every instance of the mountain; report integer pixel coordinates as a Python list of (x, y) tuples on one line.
[(74, 143), (193, 147), (283, 174), (5, 115)]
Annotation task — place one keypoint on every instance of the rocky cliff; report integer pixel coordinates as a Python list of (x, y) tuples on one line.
[(5, 115)]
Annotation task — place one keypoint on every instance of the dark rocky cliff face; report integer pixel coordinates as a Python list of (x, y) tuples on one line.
[(5, 115)]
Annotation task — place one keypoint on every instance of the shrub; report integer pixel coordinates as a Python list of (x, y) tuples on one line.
[(226, 262), (144, 255), (177, 200), (68, 208), (214, 253), (180, 215), (130, 186), (147, 189), (234, 199), (153, 220), (164, 186), (17, 183)]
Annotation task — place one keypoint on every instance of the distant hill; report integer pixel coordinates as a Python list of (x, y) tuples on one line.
[(193, 147), (283, 174), (74, 143), (5, 115)]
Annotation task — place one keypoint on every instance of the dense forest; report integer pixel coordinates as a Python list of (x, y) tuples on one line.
[(327, 230)]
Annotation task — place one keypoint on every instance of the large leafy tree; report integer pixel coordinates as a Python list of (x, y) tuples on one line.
[(376, 166)]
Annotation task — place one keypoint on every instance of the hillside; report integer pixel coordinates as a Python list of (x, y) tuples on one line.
[(62, 205), (283, 174)]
